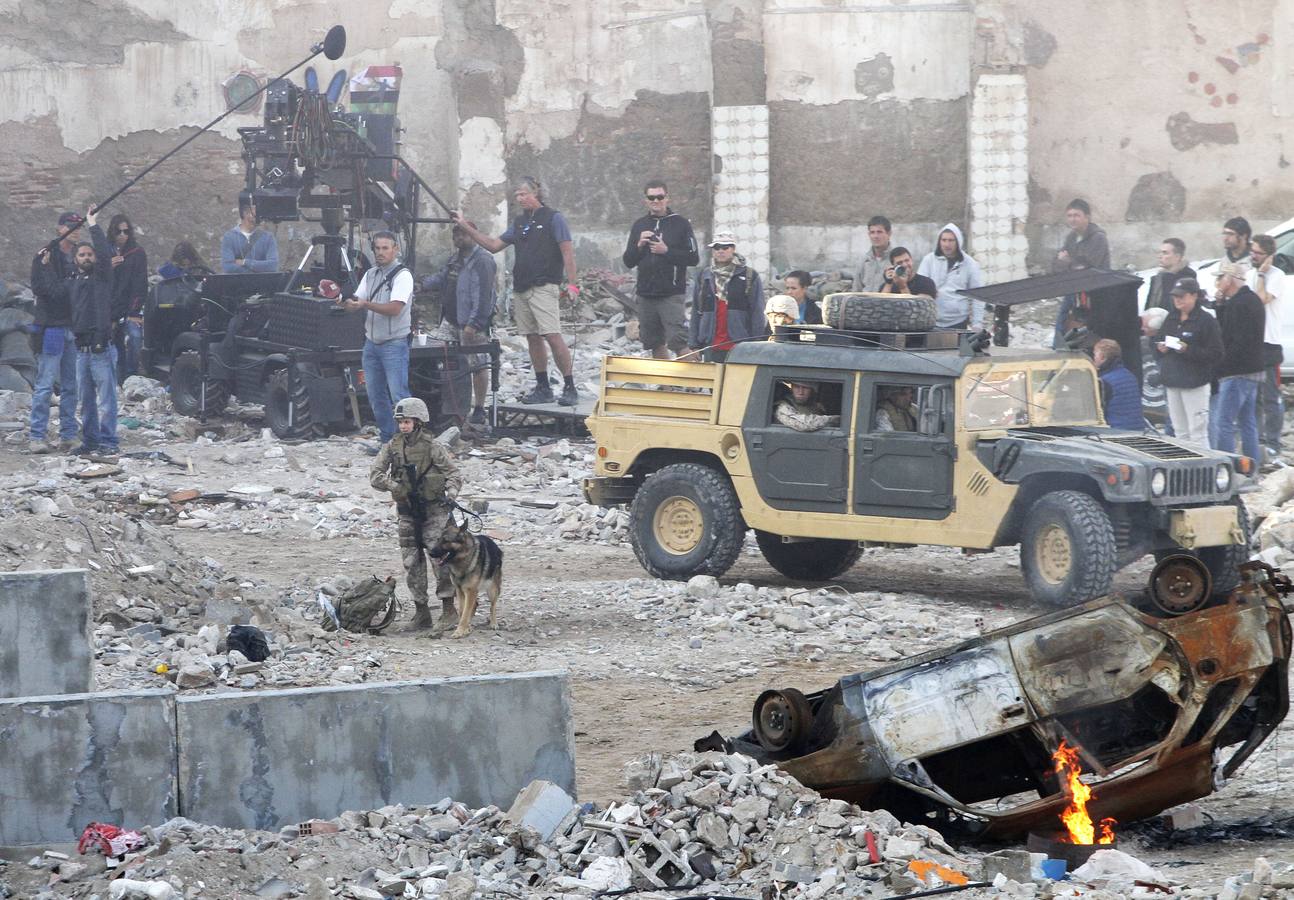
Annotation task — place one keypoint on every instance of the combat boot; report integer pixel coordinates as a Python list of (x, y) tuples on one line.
[(421, 617)]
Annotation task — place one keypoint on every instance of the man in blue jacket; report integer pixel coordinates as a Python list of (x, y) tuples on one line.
[(245, 248), (661, 246), (466, 286)]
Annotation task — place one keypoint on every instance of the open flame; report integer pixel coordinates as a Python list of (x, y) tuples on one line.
[(1077, 821)]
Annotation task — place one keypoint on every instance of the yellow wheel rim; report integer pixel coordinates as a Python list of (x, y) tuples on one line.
[(678, 525), (1054, 554)]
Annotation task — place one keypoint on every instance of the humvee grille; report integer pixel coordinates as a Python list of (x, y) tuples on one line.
[(1155, 447), (1190, 482)]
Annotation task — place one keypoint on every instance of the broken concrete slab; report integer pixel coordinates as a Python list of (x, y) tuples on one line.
[(274, 758), (45, 618), (542, 806), (78, 758)]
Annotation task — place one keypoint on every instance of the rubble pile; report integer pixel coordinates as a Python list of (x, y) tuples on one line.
[(693, 819), (17, 362)]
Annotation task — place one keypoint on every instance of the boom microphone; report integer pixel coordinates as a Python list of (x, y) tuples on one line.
[(334, 43)]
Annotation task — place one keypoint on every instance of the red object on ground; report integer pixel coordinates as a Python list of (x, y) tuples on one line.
[(109, 839), (873, 854)]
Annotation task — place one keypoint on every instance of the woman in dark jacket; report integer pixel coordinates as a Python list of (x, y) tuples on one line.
[(1189, 347), (129, 290)]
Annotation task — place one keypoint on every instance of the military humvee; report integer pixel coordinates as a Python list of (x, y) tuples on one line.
[(1009, 448)]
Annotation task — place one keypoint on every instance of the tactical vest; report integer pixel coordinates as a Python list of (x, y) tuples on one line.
[(426, 482), (539, 258), (901, 419)]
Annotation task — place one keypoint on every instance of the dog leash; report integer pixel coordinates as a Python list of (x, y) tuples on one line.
[(477, 524)]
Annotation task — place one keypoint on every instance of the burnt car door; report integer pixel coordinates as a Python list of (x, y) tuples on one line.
[(800, 470), (905, 473)]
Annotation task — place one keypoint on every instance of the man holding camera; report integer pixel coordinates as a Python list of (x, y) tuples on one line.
[(901, 276), (661, 246), (385, 293)]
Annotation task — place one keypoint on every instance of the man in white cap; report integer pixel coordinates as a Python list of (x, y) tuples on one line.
[(727, 302)]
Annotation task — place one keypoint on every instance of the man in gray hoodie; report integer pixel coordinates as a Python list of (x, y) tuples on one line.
[(952, 270)]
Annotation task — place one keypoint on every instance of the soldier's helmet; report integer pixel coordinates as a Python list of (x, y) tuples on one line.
[(412, 408)]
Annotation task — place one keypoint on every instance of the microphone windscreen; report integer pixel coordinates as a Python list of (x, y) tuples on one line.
[(335, 42)]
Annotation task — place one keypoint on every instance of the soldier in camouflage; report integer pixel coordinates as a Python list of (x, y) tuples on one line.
[(420, 474), (802, 411)]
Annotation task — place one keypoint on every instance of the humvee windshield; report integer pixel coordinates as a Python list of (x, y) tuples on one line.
[(1055, 393)]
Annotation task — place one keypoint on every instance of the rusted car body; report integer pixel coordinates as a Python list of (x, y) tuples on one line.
[(1163, 710)]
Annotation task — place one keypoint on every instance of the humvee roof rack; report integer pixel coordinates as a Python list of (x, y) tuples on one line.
[(964, 341)]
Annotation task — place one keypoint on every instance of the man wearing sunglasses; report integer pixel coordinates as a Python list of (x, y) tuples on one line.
[(661, 246)]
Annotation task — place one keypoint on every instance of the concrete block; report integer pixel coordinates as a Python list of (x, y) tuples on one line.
[(275, 758), (45, 620), (72, 759), (541, 805)]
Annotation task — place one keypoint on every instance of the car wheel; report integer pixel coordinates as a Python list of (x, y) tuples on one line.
[(878, 312), (287, 407), (186, 386), (1068, 548), (685, 521), (782, 720), (820, 559)]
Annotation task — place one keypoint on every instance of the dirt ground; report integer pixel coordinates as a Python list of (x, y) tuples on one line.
[(648, 670)]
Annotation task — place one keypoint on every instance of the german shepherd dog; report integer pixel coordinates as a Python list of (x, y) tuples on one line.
[(475, 564)]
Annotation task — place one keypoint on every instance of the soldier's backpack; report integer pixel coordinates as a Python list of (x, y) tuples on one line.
[(368, 607)]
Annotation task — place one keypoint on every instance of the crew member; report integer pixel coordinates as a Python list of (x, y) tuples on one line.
[(50, 272), (386, 294), (466, 286), (420, 474), (662, 246), (91, 301), (129, 290), (1120, 393), (544, 254), (245, 248)]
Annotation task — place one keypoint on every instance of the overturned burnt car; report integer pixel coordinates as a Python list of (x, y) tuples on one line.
[(1164, 693)]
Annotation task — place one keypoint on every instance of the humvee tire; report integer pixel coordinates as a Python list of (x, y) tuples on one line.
[(286, 387), (186, 387), (820, 559), (878, 312), (1067, 550), (685, 520)]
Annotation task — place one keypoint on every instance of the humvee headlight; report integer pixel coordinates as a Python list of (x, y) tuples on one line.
[(1158, 483), (1222, 480)]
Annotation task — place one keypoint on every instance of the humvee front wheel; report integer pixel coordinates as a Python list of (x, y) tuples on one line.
[(1068, 549), (685, 521), (820, 559)]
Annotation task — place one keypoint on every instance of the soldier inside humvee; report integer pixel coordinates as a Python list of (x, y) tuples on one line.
[(802, 409), (896, 409)]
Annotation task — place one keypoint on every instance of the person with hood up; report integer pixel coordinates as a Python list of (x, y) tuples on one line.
[(953, 270), (727, 302)]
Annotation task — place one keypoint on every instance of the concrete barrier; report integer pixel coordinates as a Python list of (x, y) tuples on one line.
[(272, 758), (72, 759), (45, 633)]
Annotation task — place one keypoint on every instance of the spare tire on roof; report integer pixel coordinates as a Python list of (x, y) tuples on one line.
[(879, 312)]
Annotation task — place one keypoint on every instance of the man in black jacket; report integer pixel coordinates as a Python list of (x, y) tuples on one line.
[(91, 299), (1235, 406), (662, 246), (50, 271)]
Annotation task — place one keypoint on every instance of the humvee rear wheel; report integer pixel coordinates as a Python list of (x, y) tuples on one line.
[(685, 521), (821, 559), (1068, 548)]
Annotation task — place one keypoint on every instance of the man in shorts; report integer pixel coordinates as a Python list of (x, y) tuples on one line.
[(542, 270)]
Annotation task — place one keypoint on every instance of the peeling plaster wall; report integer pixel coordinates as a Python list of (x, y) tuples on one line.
[(1168, 115)]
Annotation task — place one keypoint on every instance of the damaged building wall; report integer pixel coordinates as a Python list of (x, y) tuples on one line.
[(1168, 116)]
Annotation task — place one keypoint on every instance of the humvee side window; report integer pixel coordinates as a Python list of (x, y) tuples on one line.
[(997, 400), (813, 405), (898, 407)]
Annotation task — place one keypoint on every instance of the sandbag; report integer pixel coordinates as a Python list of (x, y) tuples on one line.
[(12, 380), (15, 350), (12, 319)]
